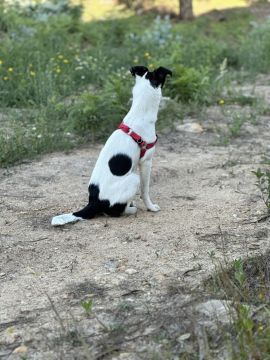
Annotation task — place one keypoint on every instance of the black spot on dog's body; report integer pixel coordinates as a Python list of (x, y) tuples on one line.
[(120, 164), (97, 206)]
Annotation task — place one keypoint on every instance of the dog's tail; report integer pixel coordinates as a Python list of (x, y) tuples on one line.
[(88, 212)]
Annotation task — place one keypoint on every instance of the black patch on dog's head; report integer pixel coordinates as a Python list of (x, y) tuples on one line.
[(120, 164), (138, 70), (157, 77)]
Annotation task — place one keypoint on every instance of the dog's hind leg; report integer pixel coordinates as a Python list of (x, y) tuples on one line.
[(130, 210), (128, 187), (122, 195)]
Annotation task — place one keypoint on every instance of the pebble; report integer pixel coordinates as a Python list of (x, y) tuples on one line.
[(190, 127), (183, 337), (20, 349), (131, 271), (217, 310)]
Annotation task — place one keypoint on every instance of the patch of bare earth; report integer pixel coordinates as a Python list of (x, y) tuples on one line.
[(143, 272)]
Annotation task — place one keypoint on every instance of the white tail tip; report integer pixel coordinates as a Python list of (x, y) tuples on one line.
[(64, 219)]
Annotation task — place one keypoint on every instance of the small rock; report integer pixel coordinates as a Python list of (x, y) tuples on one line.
[(111, 265), (254, 246), (123, 356), (183, 337), (131, 271), (20, 349), (220, 311), (190, 127), (2, 274), (128, 239), (137, 237)]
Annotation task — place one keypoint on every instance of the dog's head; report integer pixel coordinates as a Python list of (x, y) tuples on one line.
[(156, 78)]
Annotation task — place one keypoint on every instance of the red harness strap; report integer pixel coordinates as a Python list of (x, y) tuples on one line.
[(142, 144)]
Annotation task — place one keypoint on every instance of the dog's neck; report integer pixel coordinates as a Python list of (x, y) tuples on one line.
[(142, 115)]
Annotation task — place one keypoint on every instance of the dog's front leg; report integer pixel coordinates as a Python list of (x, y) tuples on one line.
[(145, 171)]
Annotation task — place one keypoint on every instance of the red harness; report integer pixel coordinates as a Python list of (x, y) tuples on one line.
[(144, 146)]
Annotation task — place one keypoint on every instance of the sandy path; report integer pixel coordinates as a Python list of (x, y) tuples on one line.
[(207, 198)]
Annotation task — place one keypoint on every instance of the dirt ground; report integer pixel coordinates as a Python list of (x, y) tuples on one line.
[(143, 272)]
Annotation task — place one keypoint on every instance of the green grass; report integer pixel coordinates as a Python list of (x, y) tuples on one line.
[(246, 285), (64, 82)]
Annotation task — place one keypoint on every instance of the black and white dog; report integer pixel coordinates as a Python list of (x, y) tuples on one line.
[(114, 182)]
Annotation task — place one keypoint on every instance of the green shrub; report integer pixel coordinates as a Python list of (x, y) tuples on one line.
[(254, 52), (189, 84), (95, 114)]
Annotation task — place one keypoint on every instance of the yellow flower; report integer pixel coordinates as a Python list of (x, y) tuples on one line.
[(147, 55), (65, 61), (10, 69), (151, 66), (260, 328), (1, 62), (135, 60), (58, 70), (60, 57), (260, 296), (221, 102), (32, 73), (5, 78)]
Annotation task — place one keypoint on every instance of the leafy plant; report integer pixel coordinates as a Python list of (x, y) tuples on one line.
[(239, 274), (87, 306), (263, 184), (190, 84)]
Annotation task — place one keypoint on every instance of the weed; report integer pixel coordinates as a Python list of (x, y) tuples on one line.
[(239, 274), (246, 285), (263, 184), (237, 121), (87, 306), (211, 254)]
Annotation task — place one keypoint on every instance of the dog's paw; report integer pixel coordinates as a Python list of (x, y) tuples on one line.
[(153, 207), (64, 219), (131, 210)]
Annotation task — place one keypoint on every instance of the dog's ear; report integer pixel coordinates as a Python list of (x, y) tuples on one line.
[(160, 75), (138, 70)]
